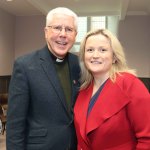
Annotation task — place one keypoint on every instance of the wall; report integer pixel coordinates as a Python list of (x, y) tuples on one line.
[(7, 31), (29, 34), (134, 34), (112, 24)]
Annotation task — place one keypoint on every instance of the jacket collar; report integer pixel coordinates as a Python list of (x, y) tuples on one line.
[(47, 63), (110, 101)]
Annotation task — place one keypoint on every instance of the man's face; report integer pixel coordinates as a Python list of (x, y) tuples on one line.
[(60, 34)]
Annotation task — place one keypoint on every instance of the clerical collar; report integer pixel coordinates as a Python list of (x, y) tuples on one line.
[(56, 59), (59, 60)]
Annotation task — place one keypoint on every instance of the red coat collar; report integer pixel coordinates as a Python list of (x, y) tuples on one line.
[(111, 100)]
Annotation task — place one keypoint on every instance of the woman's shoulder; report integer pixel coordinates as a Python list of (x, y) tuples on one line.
[(125, 80), (126, 76), (129, 82)]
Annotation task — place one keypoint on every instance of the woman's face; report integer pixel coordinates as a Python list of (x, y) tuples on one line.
[(61, 42), (98, 55)]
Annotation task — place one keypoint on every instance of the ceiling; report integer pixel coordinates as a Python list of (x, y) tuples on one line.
[(81, 7)]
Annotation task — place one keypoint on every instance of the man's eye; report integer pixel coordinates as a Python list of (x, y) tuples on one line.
[(69, 29), (57, 28)]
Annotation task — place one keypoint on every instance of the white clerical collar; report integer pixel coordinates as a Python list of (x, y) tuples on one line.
[(59, 60)]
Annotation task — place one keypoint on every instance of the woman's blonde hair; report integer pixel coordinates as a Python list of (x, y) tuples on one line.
[(118, 66)]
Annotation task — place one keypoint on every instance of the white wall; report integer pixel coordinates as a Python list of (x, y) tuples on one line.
[(112, 24), (7, 31), (134, 34), (29, 34)]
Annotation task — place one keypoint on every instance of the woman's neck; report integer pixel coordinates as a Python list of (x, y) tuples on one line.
[(98, 82)]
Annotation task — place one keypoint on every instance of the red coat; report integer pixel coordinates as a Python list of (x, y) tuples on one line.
[(120, 118)]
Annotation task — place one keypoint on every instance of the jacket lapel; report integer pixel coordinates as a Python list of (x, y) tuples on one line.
[(74, 76), (49, 69), (109, 102)]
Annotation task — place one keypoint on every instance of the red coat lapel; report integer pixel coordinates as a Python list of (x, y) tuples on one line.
[(110, 101)]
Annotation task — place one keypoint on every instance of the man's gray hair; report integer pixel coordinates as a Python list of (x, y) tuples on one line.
[(64, 11)]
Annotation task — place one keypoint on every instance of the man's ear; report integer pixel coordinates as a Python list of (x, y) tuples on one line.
[(45, 31)]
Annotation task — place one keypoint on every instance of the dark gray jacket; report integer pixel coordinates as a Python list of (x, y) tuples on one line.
[(37, 113)]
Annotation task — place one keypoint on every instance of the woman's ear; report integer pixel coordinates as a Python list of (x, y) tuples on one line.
[(114, 59)]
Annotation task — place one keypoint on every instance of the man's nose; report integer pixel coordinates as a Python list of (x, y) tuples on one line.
[(63, 31)]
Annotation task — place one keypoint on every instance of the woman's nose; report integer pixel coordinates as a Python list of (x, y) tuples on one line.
[(96, 53)]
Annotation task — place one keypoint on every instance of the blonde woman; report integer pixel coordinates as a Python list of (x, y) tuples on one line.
[(112, 111)]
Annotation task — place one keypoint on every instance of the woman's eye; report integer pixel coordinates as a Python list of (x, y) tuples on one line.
[(103, 50), (89, 50)]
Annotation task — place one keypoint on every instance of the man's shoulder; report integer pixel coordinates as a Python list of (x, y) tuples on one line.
[(29, 56), (73, 57)]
